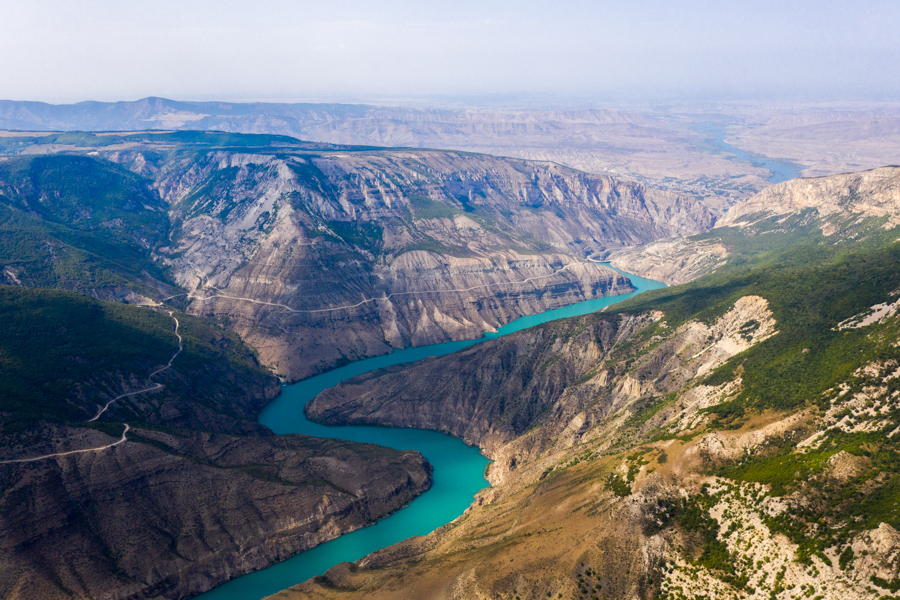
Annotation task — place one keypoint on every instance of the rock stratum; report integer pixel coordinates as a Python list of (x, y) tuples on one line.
[(317, 254), (317, 261)]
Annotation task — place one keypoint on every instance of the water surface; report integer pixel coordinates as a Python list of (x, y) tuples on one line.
[(779, 170), (458, 468)]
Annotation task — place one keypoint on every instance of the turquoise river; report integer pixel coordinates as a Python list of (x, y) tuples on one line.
[(458, 469)]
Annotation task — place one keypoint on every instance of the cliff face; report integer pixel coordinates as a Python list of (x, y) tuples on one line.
[(319, 254), (316, 259), (835, 198), (194, 492), (841, 207), (169, 515), (556, 382)]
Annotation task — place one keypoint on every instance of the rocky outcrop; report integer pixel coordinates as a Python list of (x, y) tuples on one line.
[(672, 261), (510, 384), (170, 515), (421, 298), (319, 254), (834, 199)]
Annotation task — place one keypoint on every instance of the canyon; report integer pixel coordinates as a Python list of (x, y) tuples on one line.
[(194, 492), (639, 451), (319, 255), (341, 252), (695, 441)]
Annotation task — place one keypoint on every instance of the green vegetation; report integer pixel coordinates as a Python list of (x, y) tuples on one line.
[(61, 349), (424, 207), (359, 234), (835, 509), (617, 485), (810, 289), (86, 194), (692, 516), (76, 223), (812, 283), (893, 585)]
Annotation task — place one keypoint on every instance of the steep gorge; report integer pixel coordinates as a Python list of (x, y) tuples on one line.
[(733, 437), (319, 258)]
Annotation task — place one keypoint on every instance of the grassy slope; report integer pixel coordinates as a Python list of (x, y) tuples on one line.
[(811, 285)]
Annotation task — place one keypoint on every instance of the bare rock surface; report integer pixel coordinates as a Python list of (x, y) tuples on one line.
[(319, 259), (834, 204), (169, 515)]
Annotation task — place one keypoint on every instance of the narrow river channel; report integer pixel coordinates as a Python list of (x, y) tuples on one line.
[(778, 170), (458, 468)]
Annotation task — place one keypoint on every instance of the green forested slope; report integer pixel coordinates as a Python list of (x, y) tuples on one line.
[(63, 355), (74, 222)]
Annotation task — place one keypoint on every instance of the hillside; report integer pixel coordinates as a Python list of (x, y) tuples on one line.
[(78, 223), (318, 254), (732, 437), (194, 492), (836, 210)]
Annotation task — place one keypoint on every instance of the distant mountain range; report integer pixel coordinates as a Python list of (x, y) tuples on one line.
[(642, 146)]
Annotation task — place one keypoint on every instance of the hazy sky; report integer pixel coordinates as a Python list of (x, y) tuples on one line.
[(66, 51)]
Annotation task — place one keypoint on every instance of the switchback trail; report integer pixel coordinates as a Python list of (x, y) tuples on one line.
[(155, 386), (107, 405)]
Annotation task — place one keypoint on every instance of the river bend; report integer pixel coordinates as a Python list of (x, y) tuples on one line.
[(458, 469)]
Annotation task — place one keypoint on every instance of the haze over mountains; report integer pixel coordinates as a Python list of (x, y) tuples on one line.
[(667, 146)]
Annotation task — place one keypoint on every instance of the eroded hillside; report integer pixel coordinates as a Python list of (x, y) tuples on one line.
[(840, 209), (318, 255)]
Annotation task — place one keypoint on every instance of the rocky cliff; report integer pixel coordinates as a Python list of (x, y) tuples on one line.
[(834, 199), (554, 382), (319, 254), (844, 208), (326, 257), (169, 515)]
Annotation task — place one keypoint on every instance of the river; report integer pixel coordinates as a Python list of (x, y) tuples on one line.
[(779, 171), (458, 469)]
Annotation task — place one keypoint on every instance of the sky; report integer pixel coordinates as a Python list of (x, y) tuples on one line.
[(339, 50)]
